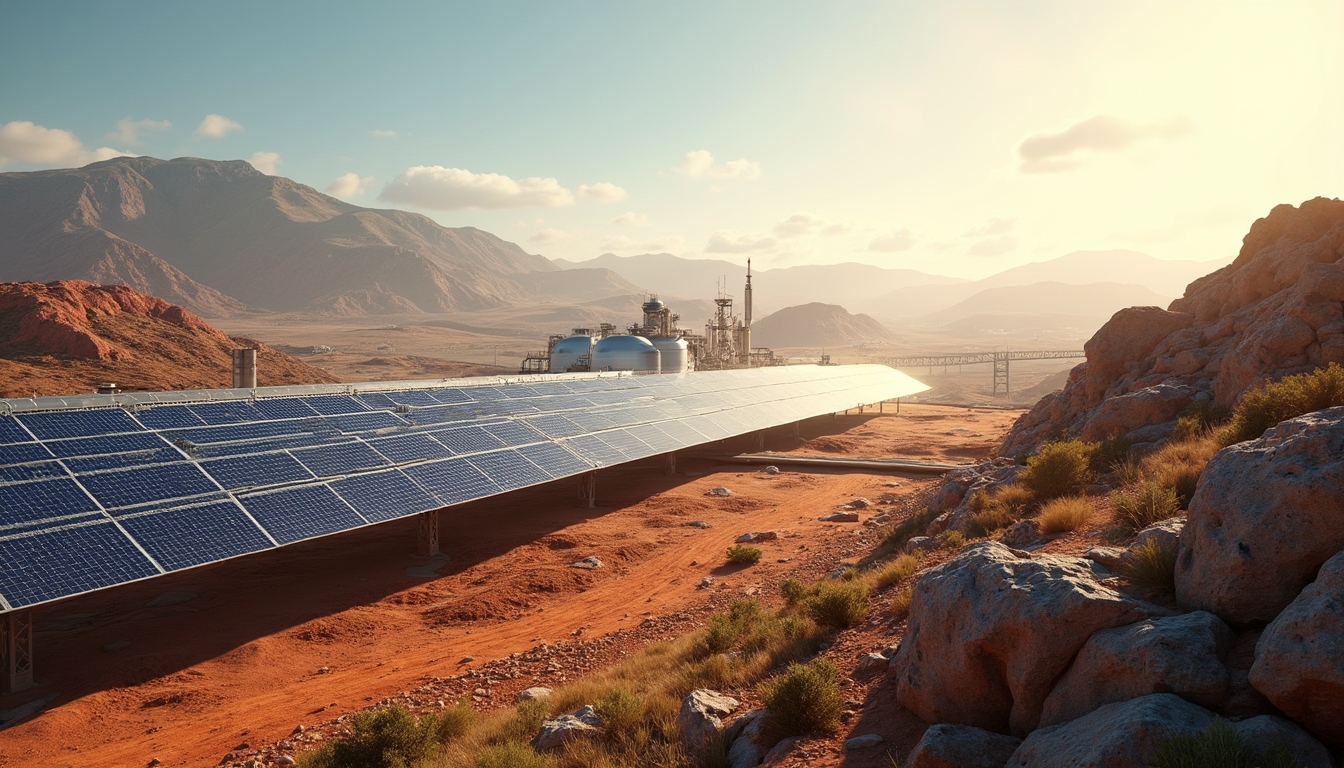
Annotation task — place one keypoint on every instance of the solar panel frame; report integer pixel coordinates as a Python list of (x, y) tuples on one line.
[(67, 561), (185, 537), (302, 512)]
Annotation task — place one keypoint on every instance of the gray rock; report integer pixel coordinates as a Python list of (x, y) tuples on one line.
[(535, 692), (961, 746), (1266, 731), (752, 538), (1265, 517), (1121, 735), (589, 562), (1110, 557), (1021, 534), (555, 733), (771, 470), (1166, 533), (920, 544), (587, 714), (718, 492), (751, 743), (1299, 660), (866, 740), (780, 751), (699, 719), (869, 665), (992, 629), (1178, 654), (699, 524), (840, 517)]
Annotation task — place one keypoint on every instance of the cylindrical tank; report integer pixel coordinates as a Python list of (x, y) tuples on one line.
[(625, 353), (571, 351), (673, 354), (245, 368)]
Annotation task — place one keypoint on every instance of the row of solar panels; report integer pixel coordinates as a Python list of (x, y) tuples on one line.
[(93, 498)]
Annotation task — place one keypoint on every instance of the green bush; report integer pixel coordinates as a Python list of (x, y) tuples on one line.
[(953, 540), (724, 629), (1219, 746), (383, 738), (621, 712), (1137, 508), (744, 555), (1109, 452), (1153, 568), (804, 700), (898, 570), (792, 591), (837, 603), (1263, 407), (1060, 469), (526, 720), (511, 754)]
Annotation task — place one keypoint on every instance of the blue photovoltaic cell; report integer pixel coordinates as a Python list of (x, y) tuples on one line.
[(452, 481), (164, 455), (225, 434), (378, 401), (301, 513), (595, 450), (483, 394), (656, 439), (26, 502), (128, 487), (256, 470), (63, 562), (11, 473), (366, 422), (187, 536), (273, 444), (98, 446), (334, 405), (450, 395), (412, 397), (382, 496), (283, 408), (168, 417), (554, 460), (467, 440), (58, 424), (682, 434), (509, 469), (227, 412), (555, 425), (11, 431), (339, 459), (628, 444), (23, 452), (403, 448), (514, 433)]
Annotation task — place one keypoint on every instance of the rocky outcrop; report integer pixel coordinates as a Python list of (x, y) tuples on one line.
[(961, 746), (1122, 735), (555, 733), (1265, 516), (1267, 731), (1299, 660), (699, 719), (992, 630), (1177, 654), (1278, 309)]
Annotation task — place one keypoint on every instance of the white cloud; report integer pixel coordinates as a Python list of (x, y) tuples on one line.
[(654, 245), (799, 224), (994, 246), (448, 189), (550, 235), (265, 162), (377, 134), (603, 191), (896, 241), (731, 242), (1056, 152), (22, 141), (631, 219), (128, 130), (700, 164), (836, 229), (349, 185), (992, 227), (216, 126)]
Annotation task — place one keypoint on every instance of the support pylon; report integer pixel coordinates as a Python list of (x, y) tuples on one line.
[(16, 650), (588, 490), (428, 534)]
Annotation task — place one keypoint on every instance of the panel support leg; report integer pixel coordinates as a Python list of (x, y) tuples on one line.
[(797, 429), (16, 648), (760, 440), (428, 534), (881, 406), (670, 463), (588, 490)]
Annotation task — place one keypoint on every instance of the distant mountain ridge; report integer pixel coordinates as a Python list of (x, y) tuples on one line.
[(816, 325), (216, 237)]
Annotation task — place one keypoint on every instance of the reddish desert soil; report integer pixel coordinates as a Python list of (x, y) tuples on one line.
[(189, 667)]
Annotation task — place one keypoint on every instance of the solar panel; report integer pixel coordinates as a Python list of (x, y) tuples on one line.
[(227, 473)]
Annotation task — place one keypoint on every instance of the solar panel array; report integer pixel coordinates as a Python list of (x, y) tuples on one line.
[(94, 497)]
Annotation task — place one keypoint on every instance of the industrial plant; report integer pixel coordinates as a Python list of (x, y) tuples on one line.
[(657, 344)]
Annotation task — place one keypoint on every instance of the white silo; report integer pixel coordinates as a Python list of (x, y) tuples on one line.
[(625, 353), (673, 354), (576, 350)]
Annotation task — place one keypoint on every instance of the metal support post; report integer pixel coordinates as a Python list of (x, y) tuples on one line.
[(1000, 373), (428, 535), (670, 463), (760, 440), (588, 490), (881, 406), (797, 429), (16, 649)]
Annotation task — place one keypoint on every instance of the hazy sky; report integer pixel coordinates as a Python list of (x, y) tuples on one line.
[(952, 137)]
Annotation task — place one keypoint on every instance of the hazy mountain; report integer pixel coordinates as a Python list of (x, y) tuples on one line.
[(213, 236), (816, 325), (1099, 300)]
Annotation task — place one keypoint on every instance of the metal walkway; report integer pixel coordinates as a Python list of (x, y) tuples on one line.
[(999, 359)]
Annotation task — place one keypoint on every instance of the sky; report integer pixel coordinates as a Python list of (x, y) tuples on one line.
[(957, 138)]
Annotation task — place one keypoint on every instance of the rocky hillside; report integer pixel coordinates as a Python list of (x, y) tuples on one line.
[(216, 237), (1278, 309), (65, 337), (816, 325)]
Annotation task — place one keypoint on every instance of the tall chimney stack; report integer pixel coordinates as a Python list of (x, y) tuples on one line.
[(245, 368)]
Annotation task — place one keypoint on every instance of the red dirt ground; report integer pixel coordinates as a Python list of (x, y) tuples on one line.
[(188, 667)]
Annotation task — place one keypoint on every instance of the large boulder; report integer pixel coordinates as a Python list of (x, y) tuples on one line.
[(1276, 310), (555, 733), (992, 630), (1121, 735), (1266, 515), (700, 716), (1299, 660), (1266, 731), (1176, 654), (961, 746)]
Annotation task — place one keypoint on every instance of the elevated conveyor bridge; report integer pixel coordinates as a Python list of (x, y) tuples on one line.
[(999, 359)]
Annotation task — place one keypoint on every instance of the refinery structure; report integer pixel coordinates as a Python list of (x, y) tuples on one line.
[(657, 344)]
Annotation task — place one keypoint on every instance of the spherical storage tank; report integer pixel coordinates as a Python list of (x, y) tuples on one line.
[(568, 352), (674, 354), (625, 353)]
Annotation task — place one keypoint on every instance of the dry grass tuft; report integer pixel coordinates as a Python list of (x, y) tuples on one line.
[(900, 604), (898, 570), (1153, 568), (1065, 514), (1136, 508)]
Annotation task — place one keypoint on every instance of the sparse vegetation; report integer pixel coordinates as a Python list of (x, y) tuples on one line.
[(1136, 508), (1178, 465), (792, 590), (1263, 407), (805, 699), (837, 603), (898, 570), (511, 754), (1065, 514), (1153, 568), (952, 541), (1106, 454), (622, 715), (744, 555), (723, 629), (1219, 746), (1060, 469), (900, 603), (383, 738)]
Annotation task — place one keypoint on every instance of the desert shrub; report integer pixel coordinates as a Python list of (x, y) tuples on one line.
[(724, 629), (511, 754), (1263, 407), (900, 604), (1060, 469), (1127, 472), (1016, 499), (526, 720), (1153, 568), (985, 523), (914, 526), (384, 738), (1218, 746), (898, 570), (953, 540), (836, 603), (452, 723), (1137, 508), (804, 699), (1178, 465), (744, 555), (979, 501), (1109, 452), (1064, 515), (792, 590), (622, 713), (713, 671)]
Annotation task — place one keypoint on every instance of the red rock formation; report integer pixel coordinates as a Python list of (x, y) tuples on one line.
[(1275, 311)]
